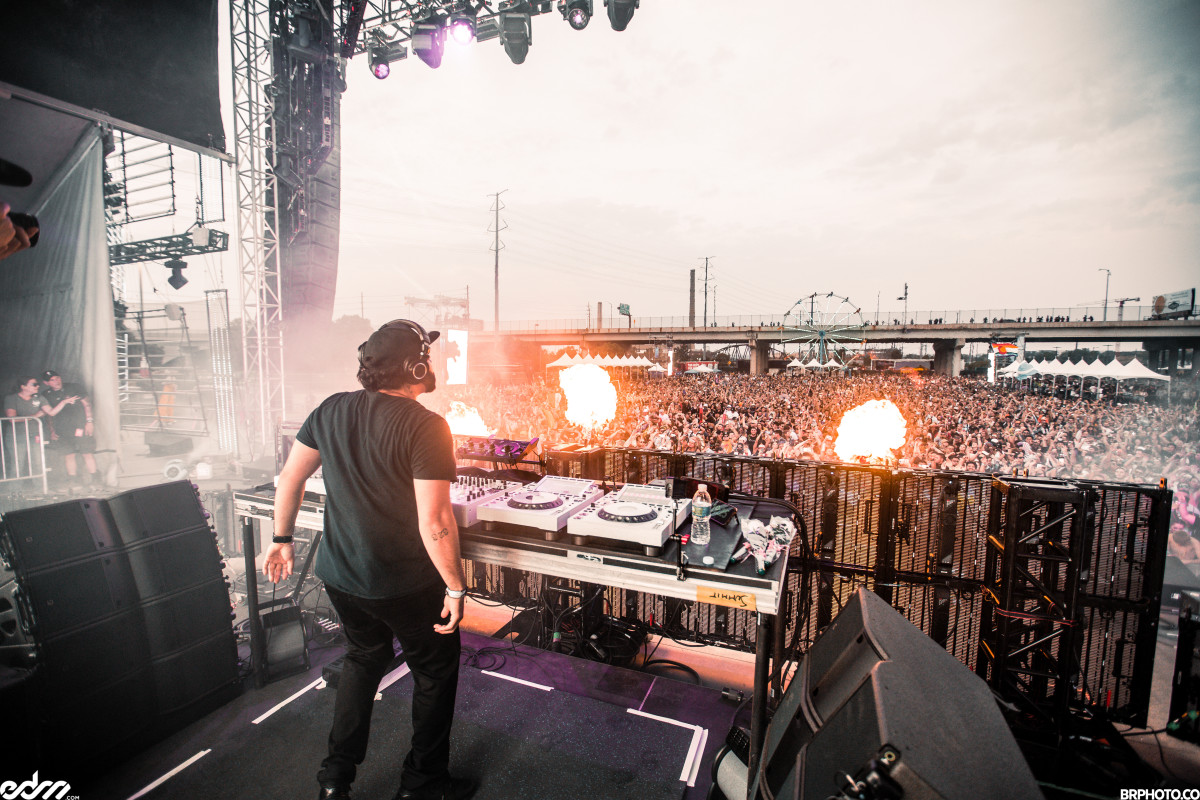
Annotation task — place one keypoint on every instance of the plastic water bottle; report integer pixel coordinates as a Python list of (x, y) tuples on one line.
[(701, 513)]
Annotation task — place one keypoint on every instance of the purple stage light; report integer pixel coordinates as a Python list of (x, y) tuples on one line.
[(462, 31), (377, 59), (578, 18)]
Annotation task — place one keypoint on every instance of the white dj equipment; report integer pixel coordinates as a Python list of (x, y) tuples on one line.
[(636, 513), (469, 492), (314, 485), (545, 505)]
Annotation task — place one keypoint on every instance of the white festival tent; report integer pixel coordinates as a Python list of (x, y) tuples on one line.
[(605, 361), (1134, 370), (795, 362), (1137, 370)]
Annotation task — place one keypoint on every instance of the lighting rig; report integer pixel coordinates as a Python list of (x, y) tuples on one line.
[(386, 29)]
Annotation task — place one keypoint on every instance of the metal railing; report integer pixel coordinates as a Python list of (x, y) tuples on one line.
[(889, 318), (22, 450)]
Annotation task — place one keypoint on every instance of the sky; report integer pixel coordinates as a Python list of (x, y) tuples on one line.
[(996, 153), (991, 154)]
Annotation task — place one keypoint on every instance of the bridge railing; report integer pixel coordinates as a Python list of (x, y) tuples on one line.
[(890, 318)]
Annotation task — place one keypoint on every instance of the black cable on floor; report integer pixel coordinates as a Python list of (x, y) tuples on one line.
[(673, 665)]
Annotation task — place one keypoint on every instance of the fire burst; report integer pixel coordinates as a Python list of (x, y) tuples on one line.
[(591, 397), (465, 421), (871, 431)]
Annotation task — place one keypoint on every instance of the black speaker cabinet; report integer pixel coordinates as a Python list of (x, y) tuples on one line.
[(157, 511), (16, 641), (53, 535), (878, 701), (121, 610), (283, 629)]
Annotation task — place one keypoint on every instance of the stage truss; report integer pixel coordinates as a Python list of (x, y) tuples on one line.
[(254, 93)]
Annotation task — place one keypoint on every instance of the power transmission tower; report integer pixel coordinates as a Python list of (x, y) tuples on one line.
[(496, 246)]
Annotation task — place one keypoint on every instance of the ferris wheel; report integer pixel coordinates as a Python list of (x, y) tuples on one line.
[(824, 326)]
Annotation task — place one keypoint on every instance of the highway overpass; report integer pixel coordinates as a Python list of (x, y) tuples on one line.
[(947, 338)]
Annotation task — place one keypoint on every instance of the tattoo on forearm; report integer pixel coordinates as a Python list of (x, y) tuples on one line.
[(441, 534)]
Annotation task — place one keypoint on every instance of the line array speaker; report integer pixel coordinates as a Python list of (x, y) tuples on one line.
[(121, 609)]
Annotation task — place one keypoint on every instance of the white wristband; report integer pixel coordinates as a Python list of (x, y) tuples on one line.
[(457, 594)]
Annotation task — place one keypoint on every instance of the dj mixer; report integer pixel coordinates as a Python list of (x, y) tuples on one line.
[(468, 493)]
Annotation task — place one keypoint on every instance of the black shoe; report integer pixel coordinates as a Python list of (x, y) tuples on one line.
[(456, 789), (338, 792)]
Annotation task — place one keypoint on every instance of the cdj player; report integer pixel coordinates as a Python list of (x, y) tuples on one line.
[(545, 505), (636, 514)]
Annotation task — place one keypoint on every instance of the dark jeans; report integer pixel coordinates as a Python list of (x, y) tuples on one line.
[(433, 659)]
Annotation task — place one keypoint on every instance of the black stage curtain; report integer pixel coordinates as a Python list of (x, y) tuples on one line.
[(149, 63)]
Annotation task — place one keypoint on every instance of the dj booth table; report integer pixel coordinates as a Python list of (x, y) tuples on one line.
[(737, 586)]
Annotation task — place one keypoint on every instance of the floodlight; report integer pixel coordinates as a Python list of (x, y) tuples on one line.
[(428, 41), (377, 59), (176, 266), (462, 26), (577, 13), (516, 29), (620, 12)]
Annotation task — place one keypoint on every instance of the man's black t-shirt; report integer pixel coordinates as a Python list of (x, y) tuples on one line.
[(73, 415), (372, 446)]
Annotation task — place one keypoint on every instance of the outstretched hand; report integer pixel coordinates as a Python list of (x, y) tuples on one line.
[(277, 565), (452, 608)]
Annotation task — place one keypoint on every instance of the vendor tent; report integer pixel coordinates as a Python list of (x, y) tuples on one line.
[(1136, 370)]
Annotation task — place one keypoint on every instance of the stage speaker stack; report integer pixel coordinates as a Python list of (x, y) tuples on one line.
[(125, 621), (879, 710)]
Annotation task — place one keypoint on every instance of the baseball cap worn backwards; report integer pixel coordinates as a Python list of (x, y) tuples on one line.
[(392, 344)]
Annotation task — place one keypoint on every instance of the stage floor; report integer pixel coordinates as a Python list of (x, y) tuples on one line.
[(528, 724)]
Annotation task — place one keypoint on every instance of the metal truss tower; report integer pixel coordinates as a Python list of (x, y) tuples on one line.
[(254, 93)]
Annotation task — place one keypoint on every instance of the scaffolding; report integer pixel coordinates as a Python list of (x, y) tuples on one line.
[(1039, 537), (163, 389)]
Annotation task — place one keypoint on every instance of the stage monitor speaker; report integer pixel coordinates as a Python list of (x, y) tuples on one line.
[(163, 443), (877, 703)]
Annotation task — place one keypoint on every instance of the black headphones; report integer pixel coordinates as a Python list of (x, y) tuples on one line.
[(416, 368)]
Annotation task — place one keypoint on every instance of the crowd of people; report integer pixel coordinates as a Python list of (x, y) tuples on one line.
[(953, 423), (959, 424)]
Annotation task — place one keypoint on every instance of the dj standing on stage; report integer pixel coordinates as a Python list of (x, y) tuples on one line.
[(389, 556)]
